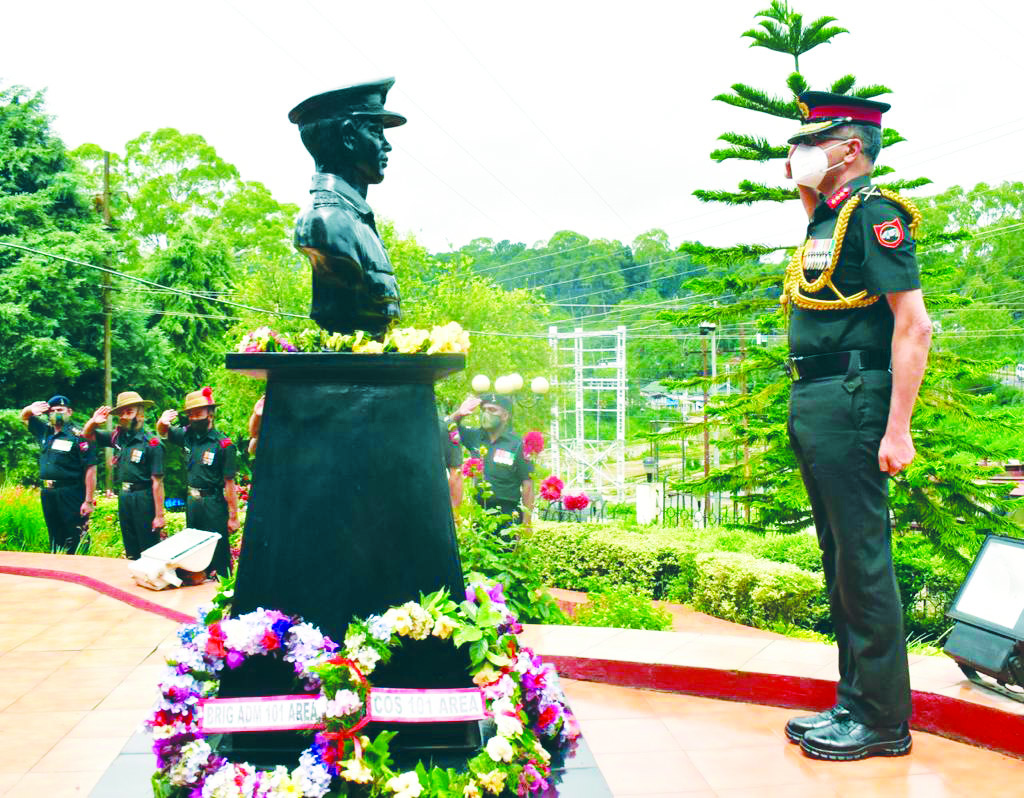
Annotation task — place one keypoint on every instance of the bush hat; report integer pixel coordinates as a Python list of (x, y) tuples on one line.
[(129, 398)]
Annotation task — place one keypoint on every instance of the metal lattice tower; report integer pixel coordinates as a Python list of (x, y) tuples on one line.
[(592, 405)]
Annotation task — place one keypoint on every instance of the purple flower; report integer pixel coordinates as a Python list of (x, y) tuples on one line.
[(496, 594), (235, 658), (471, 594), (281, 626)]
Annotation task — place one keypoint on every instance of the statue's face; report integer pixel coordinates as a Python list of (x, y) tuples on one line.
[(369, 150)]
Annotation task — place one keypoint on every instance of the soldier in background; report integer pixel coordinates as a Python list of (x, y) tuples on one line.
[(67, 468), (139, 474), (212, 503)]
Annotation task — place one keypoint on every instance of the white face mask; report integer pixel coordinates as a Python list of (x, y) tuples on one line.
[(809, 164)]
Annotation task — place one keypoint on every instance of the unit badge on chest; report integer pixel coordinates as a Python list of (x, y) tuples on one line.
[(61, 445), (208, 458), (136, 456), (503, 457)]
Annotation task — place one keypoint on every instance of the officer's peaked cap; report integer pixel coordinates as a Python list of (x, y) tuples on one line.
[(501, 400), (59, 399), (823, 111), (363, 99)]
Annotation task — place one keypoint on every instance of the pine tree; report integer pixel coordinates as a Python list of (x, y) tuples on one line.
[(944, 491)]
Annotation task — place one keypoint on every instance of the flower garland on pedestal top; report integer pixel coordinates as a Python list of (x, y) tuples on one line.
[(520, 693)]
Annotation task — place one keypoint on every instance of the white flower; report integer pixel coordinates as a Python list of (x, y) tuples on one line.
[(367, 659), (354, 640), (499, 749), (508, 725), (312, 777), (345, 702), (405, 786)]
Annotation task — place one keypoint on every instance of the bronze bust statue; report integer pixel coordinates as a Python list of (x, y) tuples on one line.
[(354, 286)]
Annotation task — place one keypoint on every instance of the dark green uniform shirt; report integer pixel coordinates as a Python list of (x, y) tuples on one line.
[(210, 457), (877, 255), (64, 454), (138, 455), (505, 468)]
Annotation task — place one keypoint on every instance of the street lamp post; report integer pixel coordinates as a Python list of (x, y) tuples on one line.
[(706, 327)]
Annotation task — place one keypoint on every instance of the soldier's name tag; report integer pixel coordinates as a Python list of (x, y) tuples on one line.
[(817, 254), (61, 445), (208, 458), (503, 457), (136, 456)]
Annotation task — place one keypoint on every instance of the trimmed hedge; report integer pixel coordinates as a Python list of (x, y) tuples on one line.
[(674, 564), (757, 592)]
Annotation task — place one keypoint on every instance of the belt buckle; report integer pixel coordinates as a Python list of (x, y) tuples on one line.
[(126, 487), (195, 493), (49, 483)]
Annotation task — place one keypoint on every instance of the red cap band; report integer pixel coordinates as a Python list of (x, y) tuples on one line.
[(837, 111)]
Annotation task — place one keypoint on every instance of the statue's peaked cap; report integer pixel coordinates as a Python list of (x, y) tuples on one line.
[(363, 99)]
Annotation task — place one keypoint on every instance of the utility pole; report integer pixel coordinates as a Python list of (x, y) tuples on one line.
[(108, 398), (705, 328)]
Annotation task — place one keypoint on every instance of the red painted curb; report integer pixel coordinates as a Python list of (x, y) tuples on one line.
[(964, 721), (99, 587)]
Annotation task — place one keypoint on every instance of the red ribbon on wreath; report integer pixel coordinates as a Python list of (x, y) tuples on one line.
[(335, 748)]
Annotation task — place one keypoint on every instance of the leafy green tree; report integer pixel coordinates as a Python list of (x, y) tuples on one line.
[(50, 311)]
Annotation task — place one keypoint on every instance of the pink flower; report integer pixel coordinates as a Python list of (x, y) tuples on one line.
[(533, 443), (579, 501), (473, 467), (551, 488)]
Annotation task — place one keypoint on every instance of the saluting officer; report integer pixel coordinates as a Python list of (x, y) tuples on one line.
[(212, 502), (858, 340), (506, 469), (139, 461), (67, 468)]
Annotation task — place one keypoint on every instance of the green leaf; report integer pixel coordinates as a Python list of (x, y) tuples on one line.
[(467, 634), (477, 652)]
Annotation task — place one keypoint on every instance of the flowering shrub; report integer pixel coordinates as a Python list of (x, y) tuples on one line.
[(533, 443), (473, 467), (519, 690), (578, 501), (551, 489)]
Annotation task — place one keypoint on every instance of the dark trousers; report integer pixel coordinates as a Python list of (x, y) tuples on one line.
[(210, 513), (62, 513), (835, 426), (135, 512)]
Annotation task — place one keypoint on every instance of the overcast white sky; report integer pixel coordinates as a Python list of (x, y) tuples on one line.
[(531, 117)]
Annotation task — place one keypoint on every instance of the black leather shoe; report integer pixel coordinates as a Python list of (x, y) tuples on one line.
[(796, 728), (847, 739)]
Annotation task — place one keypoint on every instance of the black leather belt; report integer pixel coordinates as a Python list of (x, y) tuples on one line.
[(831, 364), (61, 483), (199, 493), (132, 487)]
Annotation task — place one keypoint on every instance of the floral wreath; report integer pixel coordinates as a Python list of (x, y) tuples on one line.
[(520, 693), (440, 339)]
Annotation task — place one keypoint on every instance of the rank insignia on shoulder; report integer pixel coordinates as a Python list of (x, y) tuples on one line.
[(84, 446), (225, 443), (838, 197), (890, 234), (869, 191)]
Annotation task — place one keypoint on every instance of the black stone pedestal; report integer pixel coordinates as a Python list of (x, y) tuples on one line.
[(349, 511)]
